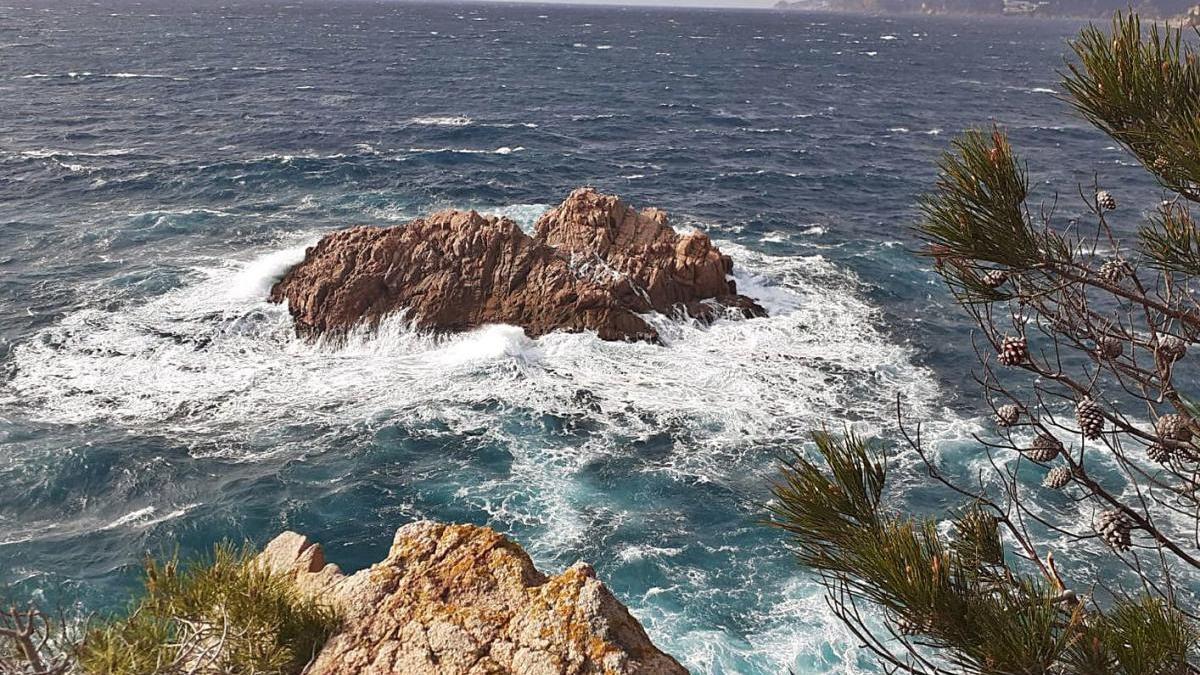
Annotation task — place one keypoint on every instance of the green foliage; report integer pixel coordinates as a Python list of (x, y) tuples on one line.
[(959, 598), (1147, 637), (952, 600), (1140, 87), (978, 208), (1135, 637), (978, 538), (825, 512), (947, 593), (976, 220), (227, 615), (1171, 240)]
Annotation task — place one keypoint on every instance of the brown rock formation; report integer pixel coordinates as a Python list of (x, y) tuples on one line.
[(594, 264), (464, 600)]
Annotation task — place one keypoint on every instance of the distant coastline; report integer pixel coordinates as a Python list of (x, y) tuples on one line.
[(1173, 12)]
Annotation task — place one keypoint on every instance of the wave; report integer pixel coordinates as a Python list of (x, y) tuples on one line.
[(456, 121), (48, 153), (212, 360), (503, 150), (213, 351), (77, 75), (129, 76), (146, 517), (524, 215)]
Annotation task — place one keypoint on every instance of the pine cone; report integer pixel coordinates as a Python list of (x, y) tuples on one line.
[(1044, 448), (1013, 351), (1115, 270), (995, 278), (1090, 418), (1174, 427), (1057, 478), (1109, 348), (1170, 348), (1007, 415), (1158, 453), (1114, 528), (1105, 201)]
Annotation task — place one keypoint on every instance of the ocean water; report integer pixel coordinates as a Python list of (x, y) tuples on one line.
[(161, 163)]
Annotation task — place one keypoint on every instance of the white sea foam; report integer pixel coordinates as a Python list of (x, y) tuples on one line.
[(215, 344), (115, 76), (213, 359), (180, 212), (147, 517), (129, 76), (49, 153), (504, 150), (138, 519), (252, 281), (453, 121), (524, 215)]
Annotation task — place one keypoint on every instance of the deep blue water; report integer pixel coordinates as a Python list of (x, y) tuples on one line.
[(160, 164)]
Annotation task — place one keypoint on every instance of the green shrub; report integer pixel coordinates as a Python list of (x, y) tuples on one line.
[(224, 615)]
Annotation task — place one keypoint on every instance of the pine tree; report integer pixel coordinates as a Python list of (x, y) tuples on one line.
[(1083, 337)]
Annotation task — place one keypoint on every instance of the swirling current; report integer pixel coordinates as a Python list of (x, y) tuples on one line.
[(161, 163)]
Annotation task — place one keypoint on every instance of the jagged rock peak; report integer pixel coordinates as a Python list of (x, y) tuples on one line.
[(595, 263), (464, 600)]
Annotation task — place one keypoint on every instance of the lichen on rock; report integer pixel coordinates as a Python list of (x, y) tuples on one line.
[(465, 600)]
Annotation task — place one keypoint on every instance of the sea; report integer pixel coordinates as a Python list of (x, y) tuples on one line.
[(163, 162)]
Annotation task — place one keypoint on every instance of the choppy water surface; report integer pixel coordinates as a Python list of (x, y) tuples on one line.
[(160, 165)]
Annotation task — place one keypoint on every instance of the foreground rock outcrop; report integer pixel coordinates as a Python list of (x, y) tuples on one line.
[(464, 600), (594, 263)]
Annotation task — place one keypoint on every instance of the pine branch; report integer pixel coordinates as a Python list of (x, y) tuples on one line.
[(1140, 87)]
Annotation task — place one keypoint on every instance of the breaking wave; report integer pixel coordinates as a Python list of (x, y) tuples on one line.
[(213, 351), (211, 359)]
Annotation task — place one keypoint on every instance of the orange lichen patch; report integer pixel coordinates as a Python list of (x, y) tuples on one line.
[(453, 599)]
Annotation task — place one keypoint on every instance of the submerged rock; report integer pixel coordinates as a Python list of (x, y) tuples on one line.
[(464, 600), (594, 263)]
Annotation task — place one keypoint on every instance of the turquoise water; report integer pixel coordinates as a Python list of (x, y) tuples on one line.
[(162, 165)]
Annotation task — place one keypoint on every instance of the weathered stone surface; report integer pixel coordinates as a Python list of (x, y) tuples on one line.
[(594, 264), (669, 270), (464, 600)]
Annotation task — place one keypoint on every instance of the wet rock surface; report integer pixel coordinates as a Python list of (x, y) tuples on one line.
[(594, 263)]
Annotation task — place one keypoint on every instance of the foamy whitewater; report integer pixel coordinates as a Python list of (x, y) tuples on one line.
[(203, 360), (151, 398)]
